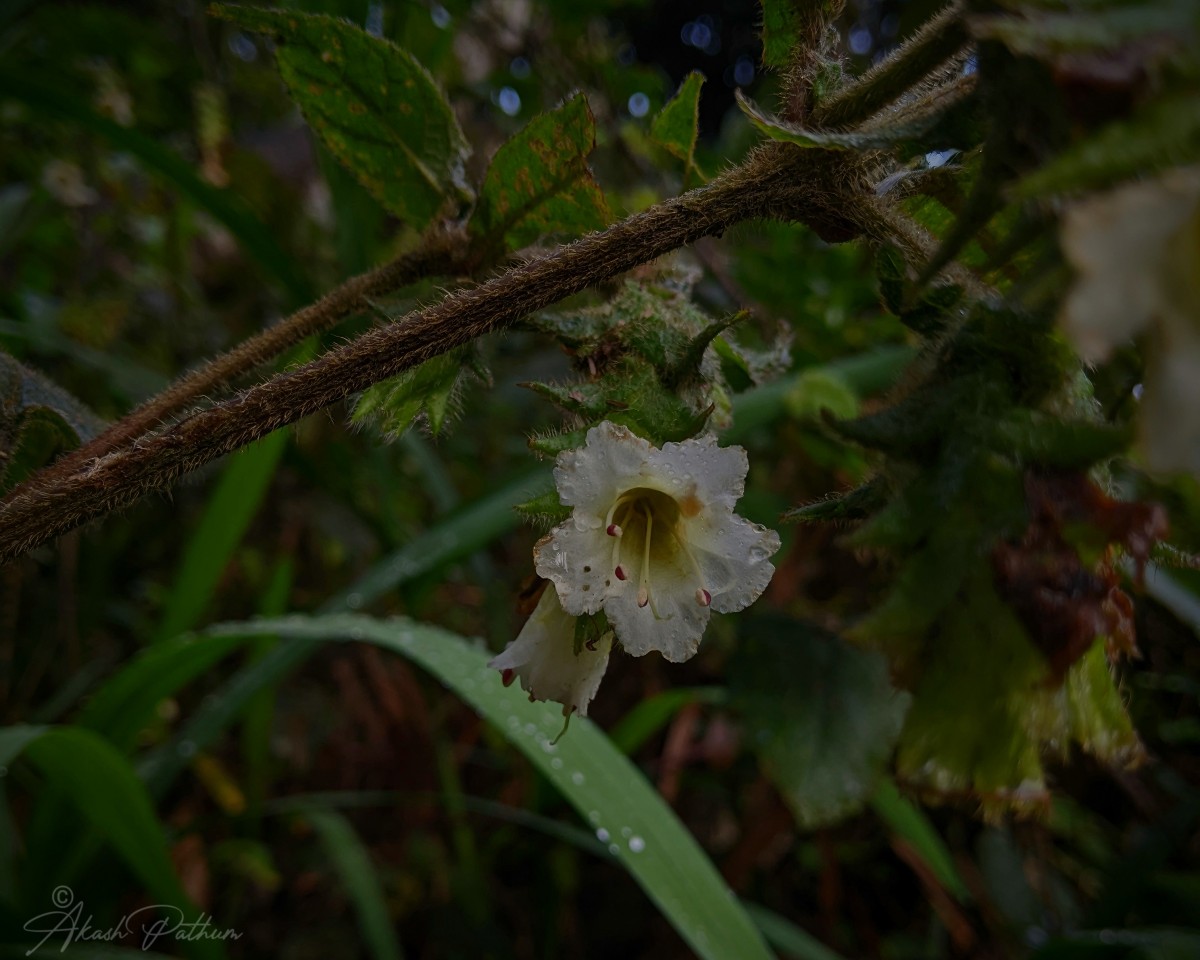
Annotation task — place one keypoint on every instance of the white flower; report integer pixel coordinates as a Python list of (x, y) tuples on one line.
[(1137, 254), (653, 540), (544, 657)]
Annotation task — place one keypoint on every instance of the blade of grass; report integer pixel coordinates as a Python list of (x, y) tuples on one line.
[(230, 509), (224, 206), (788, 938), (100, 781), (352, 862), (459, 535), (654, 713), (260, 712), (907, 821), (641, 830), (452, 539)]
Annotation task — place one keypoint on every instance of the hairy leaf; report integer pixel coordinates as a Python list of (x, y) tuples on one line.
[(376, 108), (1043, 34), (539, 183), (822, 715), (428, 391), (905, 131), (789, 23), (676, 125), (37, 419), (1164, 134)]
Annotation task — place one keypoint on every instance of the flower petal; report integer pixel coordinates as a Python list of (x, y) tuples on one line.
[(591, 477), (543, 656), (1169, 423), (672, 624), (734, 556), (1117, 242), (699, 474), (578, 560)]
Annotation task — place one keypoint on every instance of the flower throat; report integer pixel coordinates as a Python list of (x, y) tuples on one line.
[(656, 516)]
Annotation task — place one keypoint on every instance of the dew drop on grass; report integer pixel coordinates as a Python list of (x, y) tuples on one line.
[(636, 844)]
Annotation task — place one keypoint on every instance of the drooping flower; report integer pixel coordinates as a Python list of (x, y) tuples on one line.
[(652, 540), (545, 658), (1136, 251)]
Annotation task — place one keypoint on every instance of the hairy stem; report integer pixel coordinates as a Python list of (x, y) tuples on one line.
[(770, 183), (436, 256), (929, 48)]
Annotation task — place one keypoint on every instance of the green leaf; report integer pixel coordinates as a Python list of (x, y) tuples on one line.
[(539, 184), (427, 391), (83, 766), (1082, 31), (225, 206), (448, 541), (676, 124), (788, 24), (652, 714), (230, 509), (1164, 134), (877, 138), (822, 715), (545, 509), (852, 505), (376, 108), (352, 861), (38, 418), (126, 703), (908, 822), (980, 665), (643, 834), (819, 389), (788, 938)]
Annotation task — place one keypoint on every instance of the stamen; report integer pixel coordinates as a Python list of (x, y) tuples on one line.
[(608, 521), (614, 530), (703, 597), (507, 676), (643, 596), (619, 572)]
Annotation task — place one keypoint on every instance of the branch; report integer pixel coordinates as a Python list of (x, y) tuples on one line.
[(770, 183), (935, 43), (436, 256)]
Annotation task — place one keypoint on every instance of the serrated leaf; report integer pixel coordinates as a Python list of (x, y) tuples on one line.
[(821, 714), (1163, 134), (879, 138), (552, 444), (373, 104), (38, 418), (852, 505), (982, 667), (676, 125), (1046, 440), (545, 509), (539, 184), (427, 390)]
